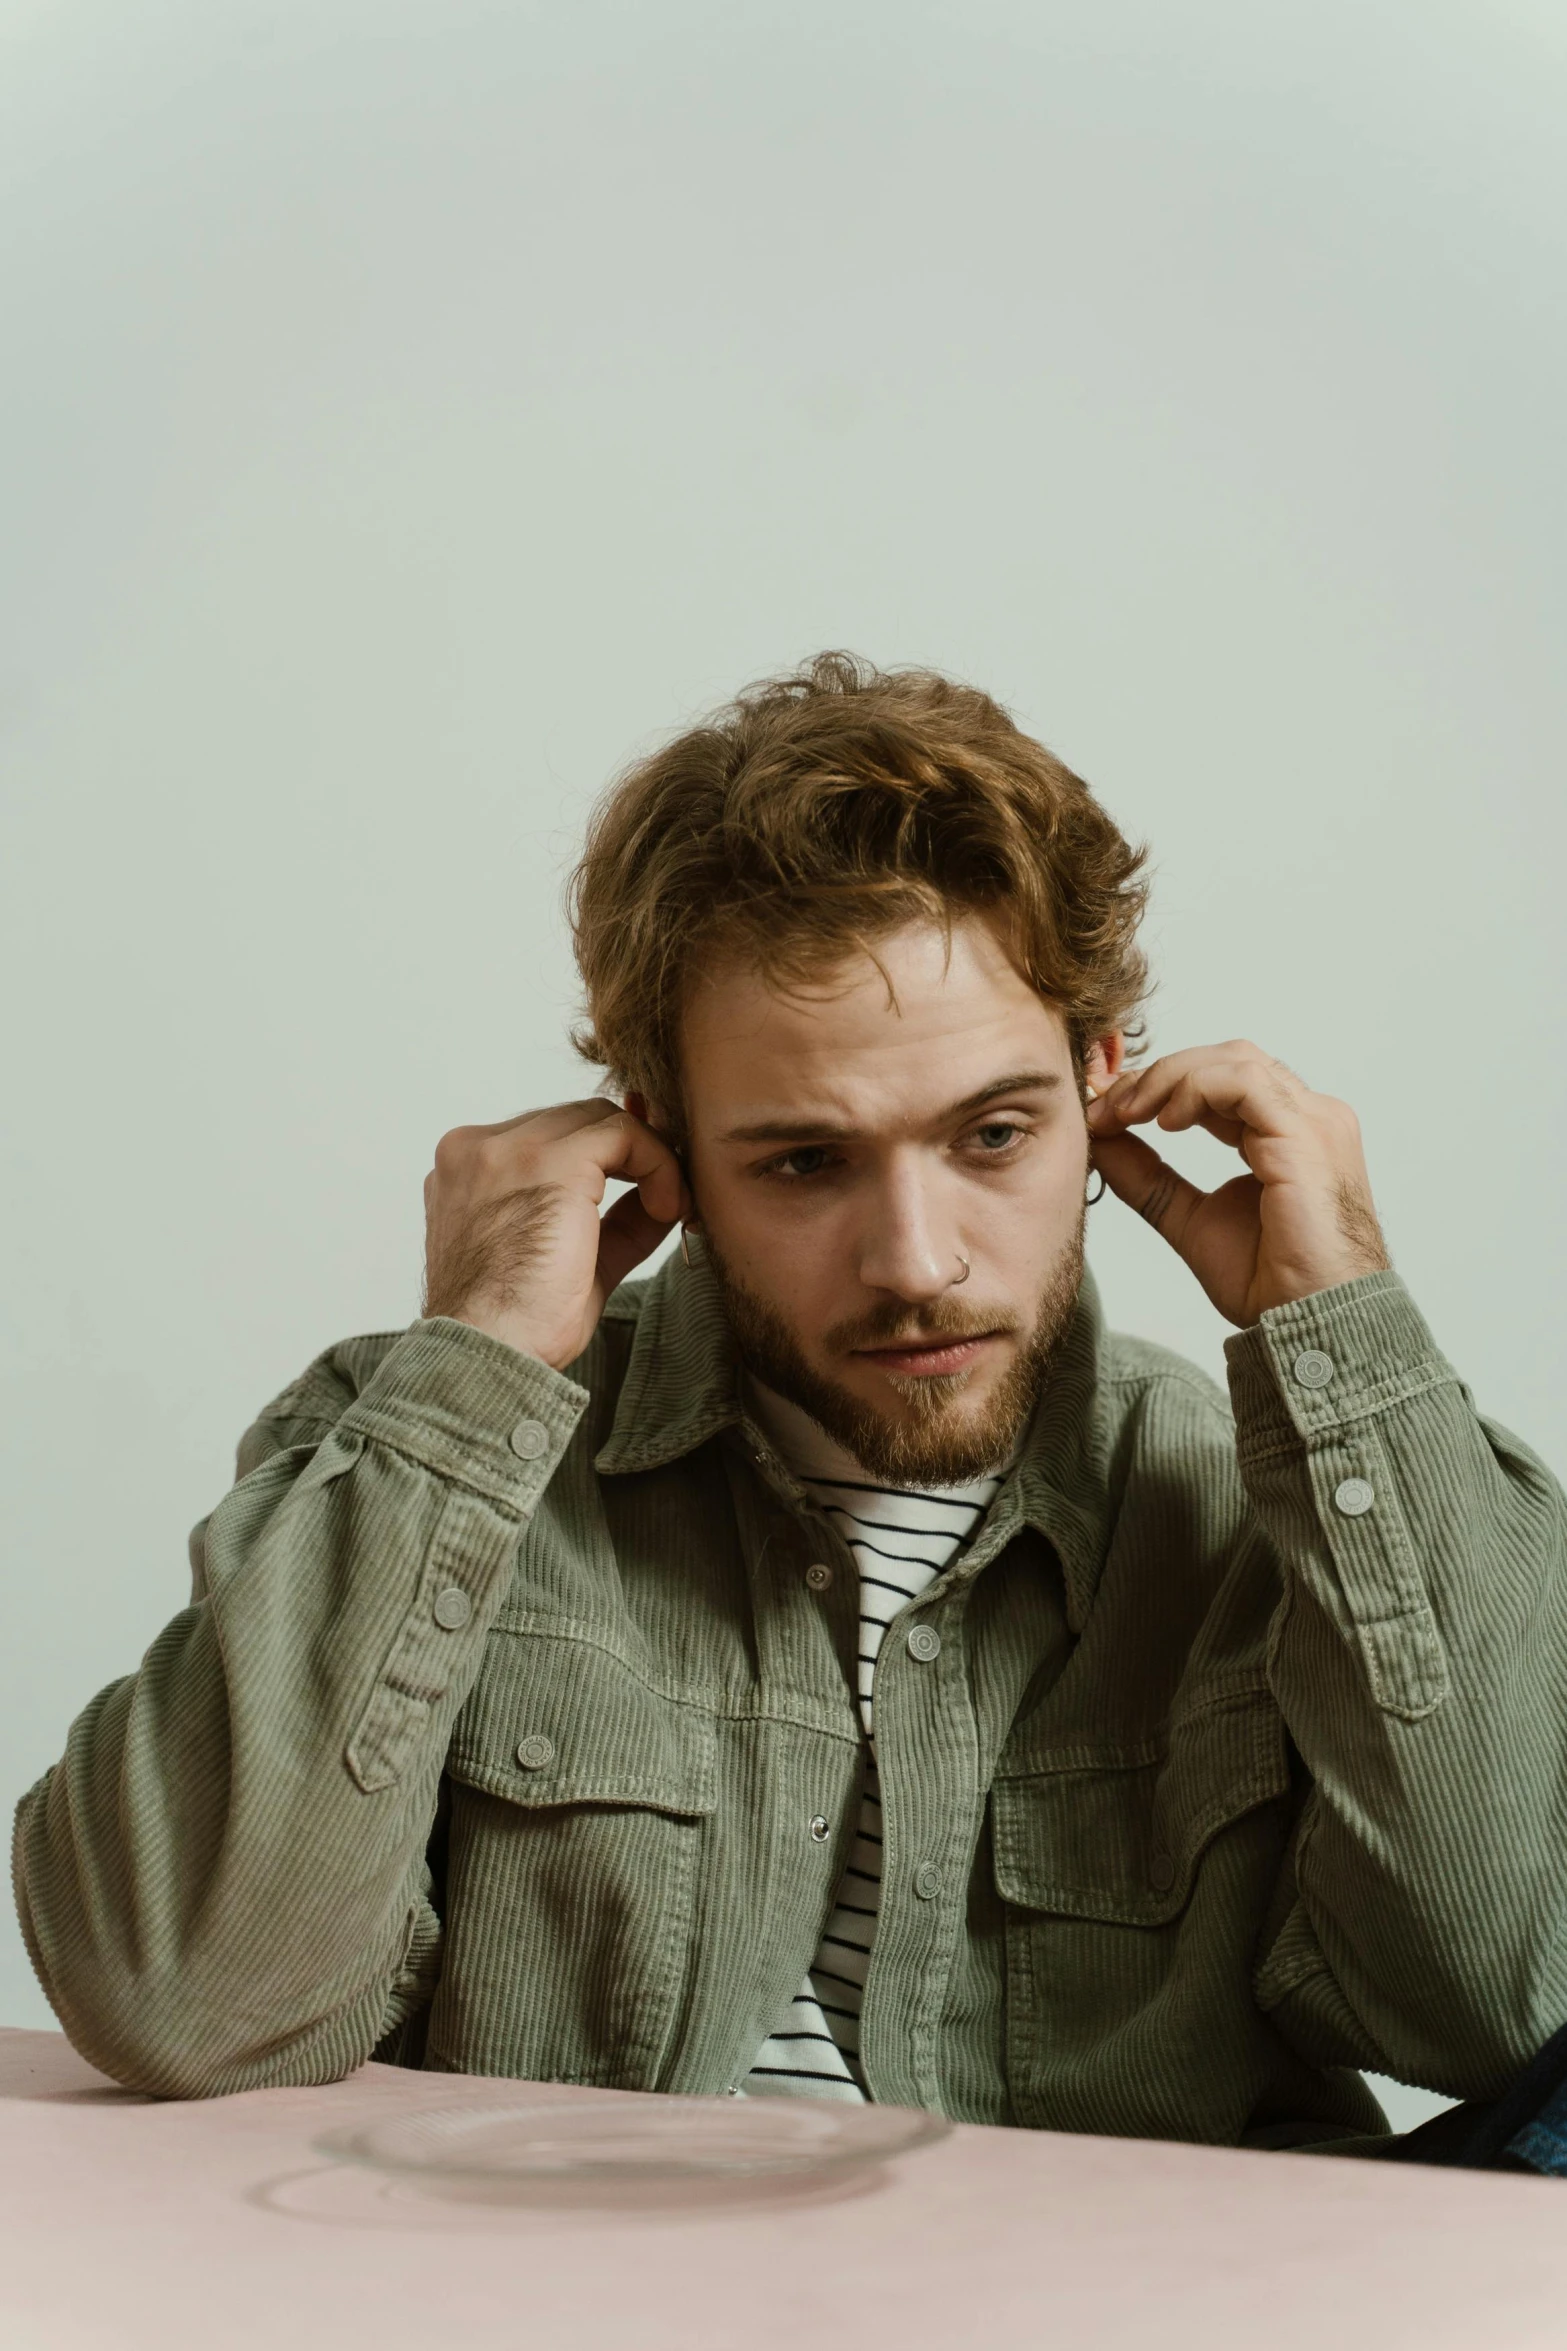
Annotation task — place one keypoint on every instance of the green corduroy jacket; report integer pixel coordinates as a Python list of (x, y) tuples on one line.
[(495, 1732)]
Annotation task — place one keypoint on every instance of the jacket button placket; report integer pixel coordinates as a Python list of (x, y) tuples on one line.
[(904, 1991)]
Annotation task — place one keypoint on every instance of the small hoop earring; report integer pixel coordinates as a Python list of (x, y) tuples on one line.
[(1093, 1199), (685, 1246), (963, 1276)]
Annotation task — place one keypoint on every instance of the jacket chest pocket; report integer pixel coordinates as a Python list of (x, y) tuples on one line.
[(1135, 1880), (1118, 1833), (579, 1798)]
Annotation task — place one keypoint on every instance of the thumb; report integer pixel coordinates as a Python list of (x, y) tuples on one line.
[(627, 1234)]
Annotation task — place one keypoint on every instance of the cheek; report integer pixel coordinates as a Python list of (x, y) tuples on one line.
[(760, 1235), (1052, 1182), (786, 1252), (1026, 1223)]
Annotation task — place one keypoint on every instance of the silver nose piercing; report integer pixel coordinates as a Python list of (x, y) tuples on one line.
[(963, 1276)]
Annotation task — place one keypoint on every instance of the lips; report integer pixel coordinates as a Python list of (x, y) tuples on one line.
[(929, 1358)]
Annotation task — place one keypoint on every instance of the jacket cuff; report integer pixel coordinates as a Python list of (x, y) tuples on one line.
[(1322, 1362), (470, 1409)]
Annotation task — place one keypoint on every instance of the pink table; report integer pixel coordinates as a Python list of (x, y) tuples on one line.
[(128, 2223)]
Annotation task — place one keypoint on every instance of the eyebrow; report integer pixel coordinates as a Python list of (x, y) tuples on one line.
[(829, 1130)]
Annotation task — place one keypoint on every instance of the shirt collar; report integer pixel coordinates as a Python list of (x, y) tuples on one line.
[(683, 1386)]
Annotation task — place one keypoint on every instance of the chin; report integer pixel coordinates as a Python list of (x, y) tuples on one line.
[(928, 1397), (927, 1431), (905, 1430)]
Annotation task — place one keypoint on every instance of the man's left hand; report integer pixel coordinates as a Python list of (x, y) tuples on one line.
[(1301, 1221)]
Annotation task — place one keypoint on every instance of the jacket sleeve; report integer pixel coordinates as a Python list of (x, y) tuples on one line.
[(222, 1882), (1420, 1662)]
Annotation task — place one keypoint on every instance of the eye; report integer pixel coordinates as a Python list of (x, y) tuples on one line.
[(997, 1134), (807, 1160)]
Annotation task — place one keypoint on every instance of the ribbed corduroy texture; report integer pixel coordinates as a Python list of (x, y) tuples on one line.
[(1230, 1792)]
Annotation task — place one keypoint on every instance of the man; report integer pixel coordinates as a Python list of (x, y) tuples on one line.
[(837, 1665)]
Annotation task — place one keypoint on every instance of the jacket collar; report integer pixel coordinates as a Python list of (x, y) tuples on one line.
[(682, 1386)]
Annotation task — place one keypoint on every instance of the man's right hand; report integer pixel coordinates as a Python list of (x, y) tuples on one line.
[(514, 1242)]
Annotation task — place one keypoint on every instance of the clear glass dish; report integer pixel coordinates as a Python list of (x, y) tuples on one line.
[(630, 2136)]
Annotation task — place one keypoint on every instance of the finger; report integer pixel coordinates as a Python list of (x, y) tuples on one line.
[(561, 1118), (1135, 1084), (466, 1147), (1236, 1082), (629, 1152), (1136, 1174), (1188, 1106), (1223, 1129)]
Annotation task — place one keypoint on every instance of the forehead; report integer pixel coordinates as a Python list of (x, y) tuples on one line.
[(939, 1020)]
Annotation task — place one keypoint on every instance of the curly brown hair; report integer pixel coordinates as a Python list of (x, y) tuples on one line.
[(814, 814)]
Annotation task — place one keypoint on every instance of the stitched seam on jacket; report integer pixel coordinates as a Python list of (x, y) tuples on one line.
[(712, 1704), (499, 1495), (1384, 1396)]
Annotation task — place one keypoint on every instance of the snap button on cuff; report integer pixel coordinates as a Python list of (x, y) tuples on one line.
[(821, 1828), (529, 1440), (452, 1608), (927, 1881), (924, 1643), (818, 1577), (1354, 1497), (535, 1752), (1313, 1369)]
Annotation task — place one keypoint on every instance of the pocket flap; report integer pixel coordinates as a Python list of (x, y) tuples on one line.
[(556, 1719), (1119, 1836)]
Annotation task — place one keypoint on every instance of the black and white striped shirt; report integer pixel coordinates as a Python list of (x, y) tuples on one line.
[(901, 1538)]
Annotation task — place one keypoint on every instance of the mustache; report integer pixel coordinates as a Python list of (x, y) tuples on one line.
[(892, 1324)]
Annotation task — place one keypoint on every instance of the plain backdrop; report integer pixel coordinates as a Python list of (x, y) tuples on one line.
[(411, 409)]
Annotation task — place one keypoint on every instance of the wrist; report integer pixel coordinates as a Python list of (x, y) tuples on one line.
[(510, 1329), (1311, 1282)]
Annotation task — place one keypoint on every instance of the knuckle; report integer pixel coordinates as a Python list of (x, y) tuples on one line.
[(452, 1149)]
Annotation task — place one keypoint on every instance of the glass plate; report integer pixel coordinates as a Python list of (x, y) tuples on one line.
[(626, 2135)]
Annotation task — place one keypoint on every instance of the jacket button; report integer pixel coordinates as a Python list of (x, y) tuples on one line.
[(1313, 1369), (452, 1608), (534, 1752), (821, 1828), (1161, 1873), (927, 1881), (818, 1577), (924, 1643), (529, 1440), (1354, 1497)]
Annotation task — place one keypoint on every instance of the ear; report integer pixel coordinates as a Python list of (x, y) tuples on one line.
[(1104, 1061), (651, 1113)]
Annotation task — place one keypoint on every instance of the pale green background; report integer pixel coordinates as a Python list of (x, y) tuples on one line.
[(410, 408)]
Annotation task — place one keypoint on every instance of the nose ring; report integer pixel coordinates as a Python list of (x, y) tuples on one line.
[(963, 1276)]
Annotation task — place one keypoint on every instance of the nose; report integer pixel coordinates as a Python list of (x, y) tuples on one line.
[(906, 1247)]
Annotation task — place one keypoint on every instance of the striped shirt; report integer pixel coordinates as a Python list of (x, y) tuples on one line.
[(901, 1538)]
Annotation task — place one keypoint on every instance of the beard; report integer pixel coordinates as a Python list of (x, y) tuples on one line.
[(935, 1443)]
